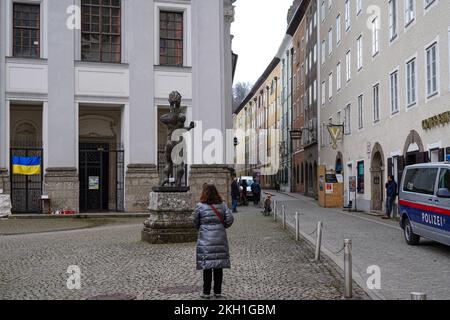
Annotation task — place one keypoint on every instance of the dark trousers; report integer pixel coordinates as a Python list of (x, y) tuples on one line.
[(207, 281), (389, 206)]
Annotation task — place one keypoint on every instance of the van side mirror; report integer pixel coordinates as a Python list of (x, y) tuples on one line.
[(443, 193)]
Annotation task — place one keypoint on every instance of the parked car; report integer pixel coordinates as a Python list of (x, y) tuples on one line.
[(249, 181), (424, 201)]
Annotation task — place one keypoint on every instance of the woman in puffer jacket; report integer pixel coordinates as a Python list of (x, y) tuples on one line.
[(212, 217)]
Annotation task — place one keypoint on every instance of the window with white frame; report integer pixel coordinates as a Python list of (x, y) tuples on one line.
[(348, 60), (310, 95), (315, 90), (306, 66), (338, 29), (347, 14), (347, 115), (394, 93), (323, 11), (323, 51), (360, 112), (375, 36), (323, 93), (432, 70), (330, 41), (315, 18), (427, 3), (359, 49), (330, 86), (315, 53), (376, 103), (322, 135), (310, 60), (410, 11), (411, 95), (338, 76), (339, 121), (358, 7), (392, 19)]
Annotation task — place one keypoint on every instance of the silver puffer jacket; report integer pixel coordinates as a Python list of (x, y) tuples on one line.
[(212, 245)]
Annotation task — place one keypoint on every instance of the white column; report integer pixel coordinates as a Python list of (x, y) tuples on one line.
[(141, 113), (3, 119), (45, 133), (61, 83)]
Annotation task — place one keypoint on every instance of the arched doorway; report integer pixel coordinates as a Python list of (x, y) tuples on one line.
[(377, 181), (414, 149)]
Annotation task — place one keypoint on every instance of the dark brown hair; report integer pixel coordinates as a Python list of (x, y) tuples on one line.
[(210, 195)]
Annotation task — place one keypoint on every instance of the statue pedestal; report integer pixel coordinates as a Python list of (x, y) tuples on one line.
[(5, 205), (170, 219)]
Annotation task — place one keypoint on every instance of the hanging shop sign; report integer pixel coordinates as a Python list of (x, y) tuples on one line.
[(335, 132), (433, 122)]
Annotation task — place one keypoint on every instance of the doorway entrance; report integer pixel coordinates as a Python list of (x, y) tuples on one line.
[(377, 180), (101, 169)]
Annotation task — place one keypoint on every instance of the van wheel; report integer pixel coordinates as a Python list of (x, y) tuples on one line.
[(411, 238)]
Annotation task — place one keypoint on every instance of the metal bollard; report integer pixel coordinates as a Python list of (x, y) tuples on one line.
[(284, 217), (297, 227), (275, 211), (318, 240), (348, 277), (418, 296)]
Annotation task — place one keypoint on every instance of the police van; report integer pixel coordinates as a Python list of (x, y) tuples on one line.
[(424, 202)]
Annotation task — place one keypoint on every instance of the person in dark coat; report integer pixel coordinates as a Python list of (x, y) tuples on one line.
[(391, 195), (244, 186), (212, 218), (235, 195), (256, 191)]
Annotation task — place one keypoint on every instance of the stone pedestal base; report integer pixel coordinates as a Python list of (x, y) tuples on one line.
[(63, 188), (5, 205), (5, 183), (139, 181), (170, 219), (219, 175)]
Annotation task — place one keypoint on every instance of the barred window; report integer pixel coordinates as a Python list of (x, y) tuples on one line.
[(101, 31), (27, 30), (171, 38)]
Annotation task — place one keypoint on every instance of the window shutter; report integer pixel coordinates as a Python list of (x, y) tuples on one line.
[(441, 155), (390, 166), (422, 157)]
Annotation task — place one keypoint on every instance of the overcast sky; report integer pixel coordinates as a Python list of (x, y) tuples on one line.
[(258, 29)]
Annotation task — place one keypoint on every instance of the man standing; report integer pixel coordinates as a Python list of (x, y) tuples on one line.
[(391, 194), (235, 194), (256, 191), (244, 186)]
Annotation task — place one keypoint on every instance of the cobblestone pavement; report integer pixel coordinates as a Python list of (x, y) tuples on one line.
[(404, 269), (25, 226), (267, 263)]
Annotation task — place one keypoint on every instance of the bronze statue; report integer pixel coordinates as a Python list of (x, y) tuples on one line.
[(174, 120)]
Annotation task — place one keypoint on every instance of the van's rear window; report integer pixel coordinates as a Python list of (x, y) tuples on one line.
[(421, 180)]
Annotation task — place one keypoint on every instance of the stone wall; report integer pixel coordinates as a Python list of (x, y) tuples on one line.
[(219, 175), (139, 181), (63, 188), (5, 183)]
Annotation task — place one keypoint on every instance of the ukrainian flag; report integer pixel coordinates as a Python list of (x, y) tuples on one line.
[(27, 166)]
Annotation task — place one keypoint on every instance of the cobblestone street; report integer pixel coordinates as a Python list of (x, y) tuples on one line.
[(267, 263)]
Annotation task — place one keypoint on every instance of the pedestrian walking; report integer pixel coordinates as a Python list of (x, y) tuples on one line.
[(235, 194), (244, 186), (391, 195), (212, 218), (256, 191)]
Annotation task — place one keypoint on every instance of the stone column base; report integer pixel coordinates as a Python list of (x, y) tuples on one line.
[(5, 183), (63, 188), (139, 181), (219, 175), (5, 205), (171, 219)]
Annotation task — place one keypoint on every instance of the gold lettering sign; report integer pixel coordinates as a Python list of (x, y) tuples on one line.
[(335, 133), (441, 119)]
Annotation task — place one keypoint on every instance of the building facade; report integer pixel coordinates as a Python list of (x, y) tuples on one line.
[(83, 84), (385, 79)]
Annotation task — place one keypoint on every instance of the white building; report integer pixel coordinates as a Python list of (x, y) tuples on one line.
[(385, 72), (87, 98)]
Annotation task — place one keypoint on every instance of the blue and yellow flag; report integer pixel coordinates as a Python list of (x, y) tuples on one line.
[(27, 166)]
